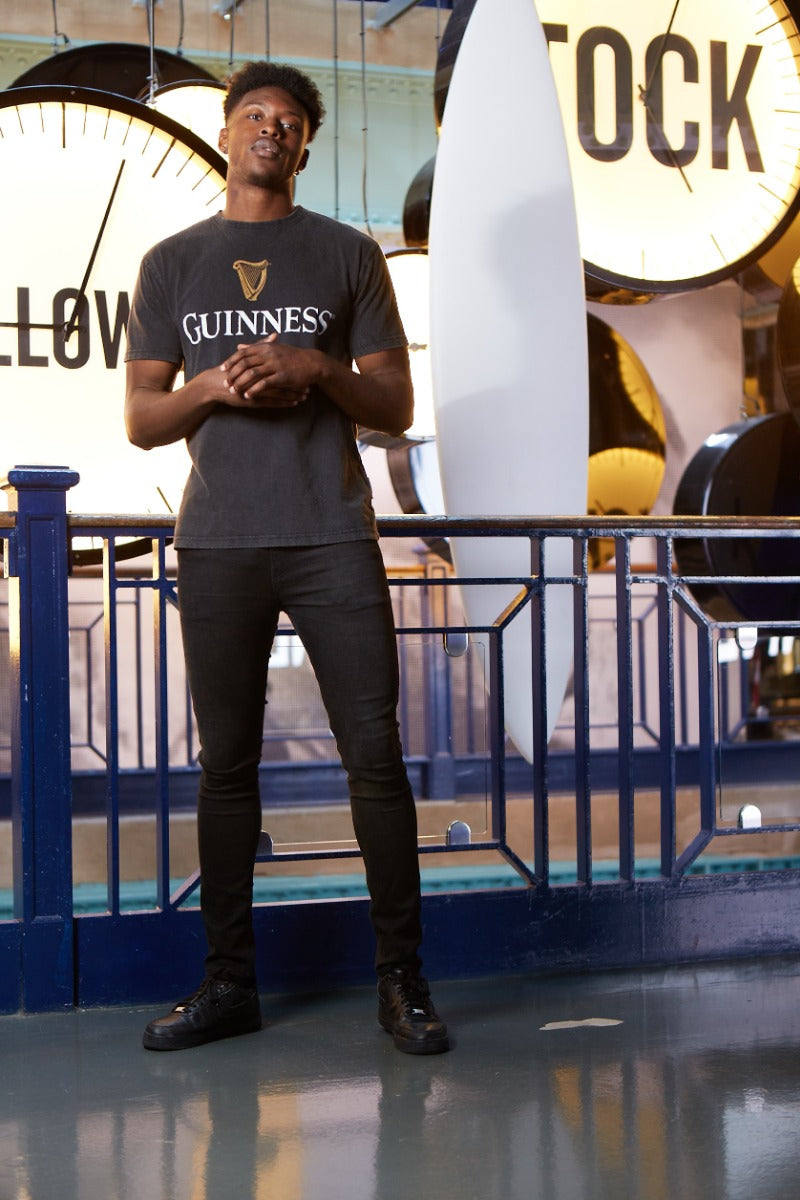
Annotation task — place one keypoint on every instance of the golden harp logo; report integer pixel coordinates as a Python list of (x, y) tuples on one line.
[(252, 277)]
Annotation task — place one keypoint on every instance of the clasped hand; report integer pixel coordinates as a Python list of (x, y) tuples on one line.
[(267, 374)]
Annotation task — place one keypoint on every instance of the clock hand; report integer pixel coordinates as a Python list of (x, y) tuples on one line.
[(644, 92), (666, 146), (28, 325), (644, 95), (72, 323)]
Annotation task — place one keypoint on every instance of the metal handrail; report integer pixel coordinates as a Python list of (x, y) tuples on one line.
[(41, 784)]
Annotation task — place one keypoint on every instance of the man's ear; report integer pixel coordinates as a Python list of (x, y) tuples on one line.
[(222, 141), (301, 166)]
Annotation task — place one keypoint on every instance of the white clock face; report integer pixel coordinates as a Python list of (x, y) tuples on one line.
[(683, 128), (91, 181), (410, 274), (195, 105)]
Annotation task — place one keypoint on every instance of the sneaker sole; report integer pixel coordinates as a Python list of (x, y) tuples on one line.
[(412, 1046), (188, 1040)]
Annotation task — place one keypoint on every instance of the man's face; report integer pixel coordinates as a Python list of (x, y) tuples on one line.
[(265, 138)]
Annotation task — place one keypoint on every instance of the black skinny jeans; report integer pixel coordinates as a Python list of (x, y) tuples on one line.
[(337, 599)]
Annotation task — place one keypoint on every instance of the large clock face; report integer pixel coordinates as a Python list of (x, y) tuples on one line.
[(682, 120), (91, 181)]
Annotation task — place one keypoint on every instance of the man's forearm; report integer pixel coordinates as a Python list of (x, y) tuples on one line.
[(381, 398), (157, 417)]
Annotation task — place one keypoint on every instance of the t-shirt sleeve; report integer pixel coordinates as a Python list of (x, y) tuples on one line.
[(376, 321), (152, 331)]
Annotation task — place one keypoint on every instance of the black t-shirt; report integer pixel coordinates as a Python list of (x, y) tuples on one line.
[(271, 477)]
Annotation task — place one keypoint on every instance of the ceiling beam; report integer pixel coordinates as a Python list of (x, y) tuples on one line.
[(390, 12)]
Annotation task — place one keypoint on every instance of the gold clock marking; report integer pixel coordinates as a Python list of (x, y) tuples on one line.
[(775, 24), (781, 199), (164, 157)]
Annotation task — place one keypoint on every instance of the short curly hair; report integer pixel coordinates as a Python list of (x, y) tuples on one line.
[(280, 75)]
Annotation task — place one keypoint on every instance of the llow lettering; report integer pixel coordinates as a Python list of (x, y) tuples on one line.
[(74, 352), (24, 355)]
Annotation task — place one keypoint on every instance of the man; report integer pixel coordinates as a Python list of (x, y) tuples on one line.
[(267, 306)]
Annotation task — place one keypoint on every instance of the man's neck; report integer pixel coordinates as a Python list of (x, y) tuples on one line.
[(257, 204)]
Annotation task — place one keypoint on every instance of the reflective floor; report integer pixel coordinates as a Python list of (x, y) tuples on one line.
[(674, 1083)]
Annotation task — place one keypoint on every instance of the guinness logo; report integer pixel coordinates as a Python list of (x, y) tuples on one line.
[(252, 277)]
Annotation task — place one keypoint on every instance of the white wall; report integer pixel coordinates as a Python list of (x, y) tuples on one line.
[(691, 346)]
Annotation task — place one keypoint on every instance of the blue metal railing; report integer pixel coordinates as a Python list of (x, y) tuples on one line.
[(443, 717), (50, 958)]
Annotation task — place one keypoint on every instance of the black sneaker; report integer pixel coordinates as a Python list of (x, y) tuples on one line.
[(219, 1008), (405, 1010)]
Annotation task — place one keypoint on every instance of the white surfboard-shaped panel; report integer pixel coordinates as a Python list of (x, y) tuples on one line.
[(508, 331)]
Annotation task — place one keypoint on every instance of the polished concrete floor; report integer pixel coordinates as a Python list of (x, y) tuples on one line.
[(648, 1085)]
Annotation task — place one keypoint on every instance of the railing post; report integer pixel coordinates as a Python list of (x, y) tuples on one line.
[(625, 706), (540, 549), (37, 568), (440, 774)]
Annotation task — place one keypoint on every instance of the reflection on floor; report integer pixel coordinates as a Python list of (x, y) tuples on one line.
[(680, 1082)]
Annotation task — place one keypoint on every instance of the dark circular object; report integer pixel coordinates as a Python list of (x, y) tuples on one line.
[(749, 469), (402, 462), (448, 52), (787, 336), (624, 409), (119, 67), (92, 556), (627, 435), (417, 207)]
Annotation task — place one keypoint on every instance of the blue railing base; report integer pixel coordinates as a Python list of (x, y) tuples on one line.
[(143, 958)]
